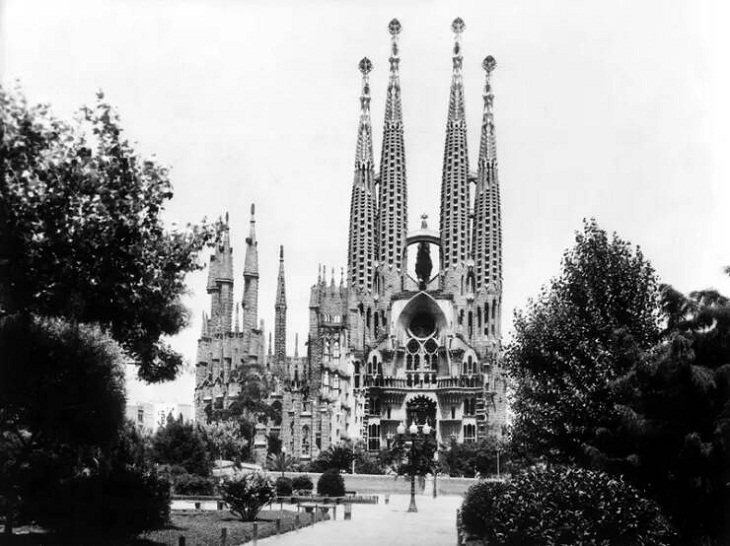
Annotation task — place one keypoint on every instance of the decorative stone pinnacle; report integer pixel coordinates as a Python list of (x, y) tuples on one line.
[(365, 66), (394, 27), (281, 253), (489, 63), (458, 26), (424, 224)]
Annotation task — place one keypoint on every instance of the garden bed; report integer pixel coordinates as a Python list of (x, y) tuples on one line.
[(199, 527)]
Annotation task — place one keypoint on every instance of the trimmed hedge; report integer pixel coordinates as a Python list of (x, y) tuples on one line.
[(192, 484), (563, 506), (302, 483), (331, 483), (283, 486)]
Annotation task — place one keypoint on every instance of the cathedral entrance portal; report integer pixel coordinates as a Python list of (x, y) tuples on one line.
[(420, 410)]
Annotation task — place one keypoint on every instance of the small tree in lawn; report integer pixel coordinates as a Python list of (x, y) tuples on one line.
[(331, 483), (247, 494)]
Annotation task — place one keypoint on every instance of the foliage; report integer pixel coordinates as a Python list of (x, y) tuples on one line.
[(246, 494), (179, 443), (281, 462), (284, 486), (563, 506), (339, 457), (61, 401), (412, 456), (226, 440), (468, 459), (676, 421), (81, 235), (274, 444), (570, 347), (331, 483), (303, 483), (192, 484), (112, 492)]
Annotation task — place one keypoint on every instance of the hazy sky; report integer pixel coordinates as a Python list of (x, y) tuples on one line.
[(616, 110)]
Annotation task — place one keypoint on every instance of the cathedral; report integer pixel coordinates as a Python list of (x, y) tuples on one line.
[(387, 344)]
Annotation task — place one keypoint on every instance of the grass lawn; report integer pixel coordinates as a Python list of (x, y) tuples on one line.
[(199, 527)]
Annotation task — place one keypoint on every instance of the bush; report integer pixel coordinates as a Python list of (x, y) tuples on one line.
[(331, 484), (121, 503), (302, 483), (283, 486), (192, 484), (563, 506), (247, 494)]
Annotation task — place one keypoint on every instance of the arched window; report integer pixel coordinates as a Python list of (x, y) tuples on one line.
[(326, 351), (368, 317), (470, 434), (374, 437), (376, 320), (479, 319), (471, 324), (305, 440), (336, 350)]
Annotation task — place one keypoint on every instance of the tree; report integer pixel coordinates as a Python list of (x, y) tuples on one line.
[(339, 457), (471, 459), (179, 443), (247, 494), (225, 440), (81, 233), (572, 345), (61, 402), (677, 419)]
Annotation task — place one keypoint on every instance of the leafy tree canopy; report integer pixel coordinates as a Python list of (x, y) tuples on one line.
[(584, 332), (179, 443), (81, 233)]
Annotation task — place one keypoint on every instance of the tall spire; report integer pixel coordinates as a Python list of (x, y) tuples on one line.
[(362, 245), (251, 278), (393, 198), (220, 279), (280, 319), (454, 181), (487, 238)]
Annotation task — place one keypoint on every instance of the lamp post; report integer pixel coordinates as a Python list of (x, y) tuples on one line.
[(283, 460), (413, 431)]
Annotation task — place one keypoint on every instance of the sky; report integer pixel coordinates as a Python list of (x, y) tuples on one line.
[(614, 110)]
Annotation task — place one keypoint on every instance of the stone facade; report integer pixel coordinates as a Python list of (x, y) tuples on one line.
[(392, 345)]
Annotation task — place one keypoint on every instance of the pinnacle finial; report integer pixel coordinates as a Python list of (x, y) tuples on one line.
[(281, 253), (489, 64), (424, 224), (458, 26), (253, 211), (394, 27), (365, 66)]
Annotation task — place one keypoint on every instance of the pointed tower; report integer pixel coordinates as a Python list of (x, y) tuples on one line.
[(280, 320), (220, 282), (393, 198), (251, 278), (361, 252), (487, 238), (454, 181)]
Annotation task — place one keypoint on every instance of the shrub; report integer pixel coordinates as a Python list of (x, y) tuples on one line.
[(302, 483), (121, 503), (331, 484), (563, 506), (192, 484), (283, 486), (247, 494)]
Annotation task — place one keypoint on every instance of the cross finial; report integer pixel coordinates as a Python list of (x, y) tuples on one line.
[(424, 217), (394, 29), (458, 26)]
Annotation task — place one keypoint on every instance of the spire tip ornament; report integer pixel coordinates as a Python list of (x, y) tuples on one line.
[(394, 27), (365, 66), (458, 25), (489, 64)]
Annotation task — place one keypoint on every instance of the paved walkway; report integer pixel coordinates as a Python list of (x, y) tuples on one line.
[(382, 524)]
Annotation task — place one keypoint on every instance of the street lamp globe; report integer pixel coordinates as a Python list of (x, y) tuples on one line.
[(413, 429), (426, 429), (401, 428)]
